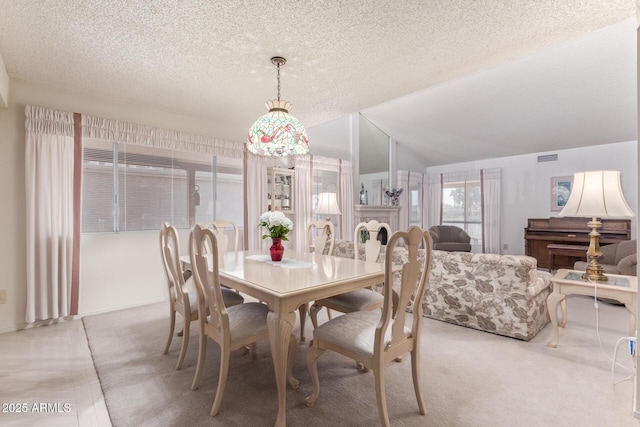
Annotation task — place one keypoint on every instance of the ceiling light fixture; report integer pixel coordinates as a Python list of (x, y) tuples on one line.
[(277, 133)]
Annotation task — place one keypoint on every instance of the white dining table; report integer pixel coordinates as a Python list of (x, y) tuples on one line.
[(298, 279)]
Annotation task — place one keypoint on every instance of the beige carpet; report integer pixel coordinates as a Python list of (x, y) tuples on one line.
[(470, 378)]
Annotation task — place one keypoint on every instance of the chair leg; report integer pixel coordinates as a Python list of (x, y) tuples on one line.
[(185, 344), (252, 350), (313, 314), (303, 319), (415, 372), (378, 372), (202, 350), (222, 381), (312, 366), (172, 327)]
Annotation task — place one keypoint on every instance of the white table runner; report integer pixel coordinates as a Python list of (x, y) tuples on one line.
[(285, 263)]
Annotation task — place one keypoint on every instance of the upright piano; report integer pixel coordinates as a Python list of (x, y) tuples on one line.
[(541, 232)]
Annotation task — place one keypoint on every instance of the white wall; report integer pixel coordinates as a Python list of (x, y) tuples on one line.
[(526, 183), (332, 139), (407, 160)]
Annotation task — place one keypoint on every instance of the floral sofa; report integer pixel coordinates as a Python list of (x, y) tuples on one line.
[(502, 294)]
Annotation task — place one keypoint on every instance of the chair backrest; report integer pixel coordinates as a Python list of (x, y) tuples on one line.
[(450, 233), (316, 231), (372, 245), (409, 288), (220, 226), (170, 251), (203, 250)]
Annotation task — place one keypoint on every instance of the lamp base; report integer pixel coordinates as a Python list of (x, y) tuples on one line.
[(328, 230), (594, 271), (595, 274)]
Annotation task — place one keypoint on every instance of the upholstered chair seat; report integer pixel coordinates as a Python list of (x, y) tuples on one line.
[(360, 299)]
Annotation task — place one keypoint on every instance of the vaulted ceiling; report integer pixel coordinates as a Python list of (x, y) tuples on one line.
[(453, 81)]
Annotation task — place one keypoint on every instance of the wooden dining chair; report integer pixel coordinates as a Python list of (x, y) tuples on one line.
[(182, 293), (320, 233), (359, 299), (231, 328), (221, 226), (375, 339)]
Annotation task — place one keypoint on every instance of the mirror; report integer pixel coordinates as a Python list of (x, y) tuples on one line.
[(374, 164)]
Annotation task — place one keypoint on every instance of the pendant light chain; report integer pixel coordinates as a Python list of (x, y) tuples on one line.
[(278, 65)]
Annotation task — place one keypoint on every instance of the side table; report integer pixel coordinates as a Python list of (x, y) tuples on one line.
[(569, 282)]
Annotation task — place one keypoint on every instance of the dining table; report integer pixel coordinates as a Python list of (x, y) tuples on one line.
[(284, 286)]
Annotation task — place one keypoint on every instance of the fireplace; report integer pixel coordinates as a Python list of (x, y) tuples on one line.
[(388, 214)]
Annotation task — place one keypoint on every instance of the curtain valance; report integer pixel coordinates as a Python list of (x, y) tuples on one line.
[(47, 121), (326, 164), (132, 133)]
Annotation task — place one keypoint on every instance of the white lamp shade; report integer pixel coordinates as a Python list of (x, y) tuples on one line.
[(327, 204), (597, 194)]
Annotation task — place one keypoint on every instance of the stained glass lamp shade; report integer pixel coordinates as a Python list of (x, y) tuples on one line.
[(277, 133)]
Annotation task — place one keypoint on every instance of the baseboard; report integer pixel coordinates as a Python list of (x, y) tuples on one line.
[(39, 323), (108, 310)]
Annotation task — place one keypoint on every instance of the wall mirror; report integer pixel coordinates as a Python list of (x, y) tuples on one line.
[(374, 163)]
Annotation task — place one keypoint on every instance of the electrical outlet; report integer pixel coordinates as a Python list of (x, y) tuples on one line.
[(505, 246), (3, 296)]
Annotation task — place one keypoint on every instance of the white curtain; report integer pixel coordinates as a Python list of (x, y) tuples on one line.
[(49, 166), (491, 184), (403, 182), (303, 200), (431, 213), (255, 171), (346, 200)]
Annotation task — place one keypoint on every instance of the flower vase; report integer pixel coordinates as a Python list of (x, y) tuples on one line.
[(276, 249)]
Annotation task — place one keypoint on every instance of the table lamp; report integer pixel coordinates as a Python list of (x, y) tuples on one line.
[(596, 194), (327, 205)]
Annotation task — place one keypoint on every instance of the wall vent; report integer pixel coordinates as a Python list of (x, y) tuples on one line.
[(548, 158)]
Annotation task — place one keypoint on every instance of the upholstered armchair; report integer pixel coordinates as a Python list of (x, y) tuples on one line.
[(617, 258), (450, 238)]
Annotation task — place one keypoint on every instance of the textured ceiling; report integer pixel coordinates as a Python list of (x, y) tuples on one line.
[(210, 59)]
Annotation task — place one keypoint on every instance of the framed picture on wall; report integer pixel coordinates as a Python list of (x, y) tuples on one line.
[(560, 190)]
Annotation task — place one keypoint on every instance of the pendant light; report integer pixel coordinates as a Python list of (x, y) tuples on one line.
[(277, 133)]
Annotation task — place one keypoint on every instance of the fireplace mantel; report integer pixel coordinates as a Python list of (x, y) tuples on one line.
[(388, 214)]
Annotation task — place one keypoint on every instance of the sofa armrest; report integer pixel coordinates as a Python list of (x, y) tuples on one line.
[(628, 265), (538, 281)]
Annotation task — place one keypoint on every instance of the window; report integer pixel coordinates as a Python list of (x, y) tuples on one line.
[(461, 206), (130, 187)]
